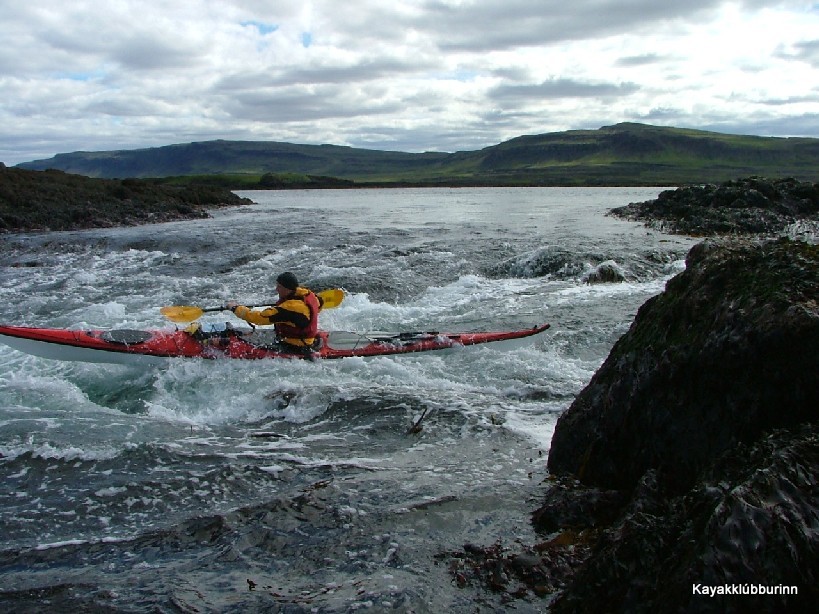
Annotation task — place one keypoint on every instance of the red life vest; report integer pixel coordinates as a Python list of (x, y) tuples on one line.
[(291, 332)]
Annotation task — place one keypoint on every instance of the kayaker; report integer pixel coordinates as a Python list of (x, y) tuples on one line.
[(295, 314)]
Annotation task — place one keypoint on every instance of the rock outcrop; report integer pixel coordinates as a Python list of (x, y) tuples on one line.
[(691, 457), (712, 361), (54, 200), (744, 206)]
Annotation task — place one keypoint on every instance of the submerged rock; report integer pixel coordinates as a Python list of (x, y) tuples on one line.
[(704, 419), (605, 273)]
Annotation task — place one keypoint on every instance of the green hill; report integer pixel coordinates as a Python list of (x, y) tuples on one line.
[(623, 154)]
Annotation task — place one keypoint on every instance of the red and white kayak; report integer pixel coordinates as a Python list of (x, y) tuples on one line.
[(126, 346)]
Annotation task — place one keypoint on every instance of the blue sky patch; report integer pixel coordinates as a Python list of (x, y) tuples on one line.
[(89, 75), (263, 28)]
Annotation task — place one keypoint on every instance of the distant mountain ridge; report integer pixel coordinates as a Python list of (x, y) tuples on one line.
[(622, 154)]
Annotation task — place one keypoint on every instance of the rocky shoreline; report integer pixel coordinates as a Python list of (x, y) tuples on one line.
[(53, 201), (684, 476), (745, 206)]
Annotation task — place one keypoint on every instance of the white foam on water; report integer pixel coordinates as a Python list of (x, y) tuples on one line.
[(126, 450), (35, 386), (50, 451)]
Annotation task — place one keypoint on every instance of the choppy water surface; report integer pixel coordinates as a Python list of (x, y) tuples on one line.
[(181, 487)]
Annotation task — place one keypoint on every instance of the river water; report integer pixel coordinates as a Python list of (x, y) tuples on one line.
[(183, 487)]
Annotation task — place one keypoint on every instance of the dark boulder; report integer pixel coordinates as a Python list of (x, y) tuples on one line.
[(749, 525), (727, 352), (692, 454)]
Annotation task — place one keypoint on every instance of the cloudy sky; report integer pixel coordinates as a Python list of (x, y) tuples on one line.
[(407, 75)]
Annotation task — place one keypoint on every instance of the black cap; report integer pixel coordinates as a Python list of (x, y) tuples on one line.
[(288, 280)]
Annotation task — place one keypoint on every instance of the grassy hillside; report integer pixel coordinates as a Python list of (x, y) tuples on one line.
[(623, 154), (235, 158)]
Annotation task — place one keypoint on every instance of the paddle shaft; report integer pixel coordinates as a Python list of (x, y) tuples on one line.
[(187, 313), (223, 308)]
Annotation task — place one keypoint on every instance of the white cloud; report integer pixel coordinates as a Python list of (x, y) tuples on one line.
[(407, 75)]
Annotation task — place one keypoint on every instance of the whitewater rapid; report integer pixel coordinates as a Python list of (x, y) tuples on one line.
[(178, 484)]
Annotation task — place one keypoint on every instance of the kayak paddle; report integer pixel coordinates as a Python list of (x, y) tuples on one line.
[(187, 313)]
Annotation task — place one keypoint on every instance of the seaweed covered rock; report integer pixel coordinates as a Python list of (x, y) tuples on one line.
[(727, 352), (704, 417), (744, 206), (54, 200), (744, 539)]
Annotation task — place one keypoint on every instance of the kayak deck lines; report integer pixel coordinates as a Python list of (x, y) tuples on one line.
[(127, 345)]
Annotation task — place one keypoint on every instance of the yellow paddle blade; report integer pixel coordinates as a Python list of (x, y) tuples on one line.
[(182, 313), (332, 298)]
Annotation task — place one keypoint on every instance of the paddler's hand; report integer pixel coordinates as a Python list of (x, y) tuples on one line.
[(231, 305)]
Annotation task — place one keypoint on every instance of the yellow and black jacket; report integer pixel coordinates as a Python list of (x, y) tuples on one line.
[(295, 317)]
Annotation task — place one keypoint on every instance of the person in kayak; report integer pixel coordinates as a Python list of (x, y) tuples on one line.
[(295, 314)]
